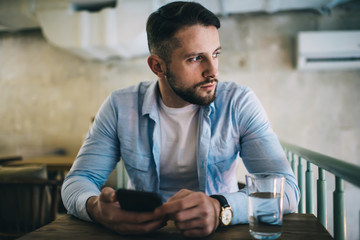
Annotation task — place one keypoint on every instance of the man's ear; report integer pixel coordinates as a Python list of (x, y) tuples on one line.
[(156, 65)]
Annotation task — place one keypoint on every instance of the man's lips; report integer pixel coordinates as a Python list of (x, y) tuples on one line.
[(208, 86), (206, 82)]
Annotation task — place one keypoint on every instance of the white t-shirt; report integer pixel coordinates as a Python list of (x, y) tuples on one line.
[(178, 167)]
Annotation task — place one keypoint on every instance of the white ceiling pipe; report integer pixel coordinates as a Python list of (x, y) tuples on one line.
[(109, 33)]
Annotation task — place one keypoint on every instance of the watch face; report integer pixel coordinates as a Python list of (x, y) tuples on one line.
[(226, 216)]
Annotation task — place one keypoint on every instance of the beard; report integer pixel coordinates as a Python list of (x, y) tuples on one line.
[(189, 94)]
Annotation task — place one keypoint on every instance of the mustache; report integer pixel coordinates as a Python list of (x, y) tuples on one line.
[(206, 82)]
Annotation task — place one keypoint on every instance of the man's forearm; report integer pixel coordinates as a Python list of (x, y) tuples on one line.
[(75, 193)]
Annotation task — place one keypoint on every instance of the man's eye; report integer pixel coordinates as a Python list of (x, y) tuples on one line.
[(216, 54), (195, 59)]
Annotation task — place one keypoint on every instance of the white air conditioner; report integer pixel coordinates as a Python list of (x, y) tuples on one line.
[(328, 50)]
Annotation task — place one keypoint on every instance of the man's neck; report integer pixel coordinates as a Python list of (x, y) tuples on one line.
[(169, 97)]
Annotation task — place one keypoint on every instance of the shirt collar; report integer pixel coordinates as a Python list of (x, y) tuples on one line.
[(150, 100)]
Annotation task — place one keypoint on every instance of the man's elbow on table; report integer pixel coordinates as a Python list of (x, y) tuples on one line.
[(291, 200)]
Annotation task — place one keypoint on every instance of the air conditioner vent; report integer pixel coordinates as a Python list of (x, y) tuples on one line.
[(337, 59), (328, 50)]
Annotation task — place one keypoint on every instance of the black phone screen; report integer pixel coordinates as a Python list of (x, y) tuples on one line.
[(138, 201)]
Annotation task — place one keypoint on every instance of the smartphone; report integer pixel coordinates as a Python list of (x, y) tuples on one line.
[(138, 201)]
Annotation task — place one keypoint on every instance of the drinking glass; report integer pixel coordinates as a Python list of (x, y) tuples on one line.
[(265, 193)]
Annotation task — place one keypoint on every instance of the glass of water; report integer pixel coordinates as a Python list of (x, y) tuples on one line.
[(265, 193)]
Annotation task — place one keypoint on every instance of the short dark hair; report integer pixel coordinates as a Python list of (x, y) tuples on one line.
[(163, 24)]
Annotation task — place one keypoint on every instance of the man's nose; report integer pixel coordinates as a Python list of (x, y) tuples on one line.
[(211, 69)]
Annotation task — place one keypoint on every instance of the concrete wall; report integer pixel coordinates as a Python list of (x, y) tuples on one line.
[(48, 96)]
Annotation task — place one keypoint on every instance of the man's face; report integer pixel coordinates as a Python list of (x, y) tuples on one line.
[(192, 73)]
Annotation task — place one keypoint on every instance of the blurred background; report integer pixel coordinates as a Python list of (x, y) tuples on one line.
[(60, 59)]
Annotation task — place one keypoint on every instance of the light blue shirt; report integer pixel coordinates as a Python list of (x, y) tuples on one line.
[(127, 127)]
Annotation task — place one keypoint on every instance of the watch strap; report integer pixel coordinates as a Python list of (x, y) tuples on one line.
[(222, 200)]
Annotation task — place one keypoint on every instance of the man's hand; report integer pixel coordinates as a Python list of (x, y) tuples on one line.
[(106, 210), (195, 214)]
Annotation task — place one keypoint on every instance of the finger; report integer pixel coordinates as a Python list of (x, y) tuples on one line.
[(120, 220), (198, 227), (113, 217), (180, 194), (107, 195), (202, 214), (197, 221), (180, 204), (189, 214), (192, 223), (139, 217)]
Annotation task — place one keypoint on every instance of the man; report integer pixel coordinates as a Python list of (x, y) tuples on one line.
[(179, 136)]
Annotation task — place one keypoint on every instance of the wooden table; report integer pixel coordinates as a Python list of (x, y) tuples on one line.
[(8, 158), (54, 164), (295, 226)]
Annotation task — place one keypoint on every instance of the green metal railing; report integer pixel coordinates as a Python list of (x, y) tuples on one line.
[(340, 169)]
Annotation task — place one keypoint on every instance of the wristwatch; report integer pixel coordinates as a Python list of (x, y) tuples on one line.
[(226, 213)]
